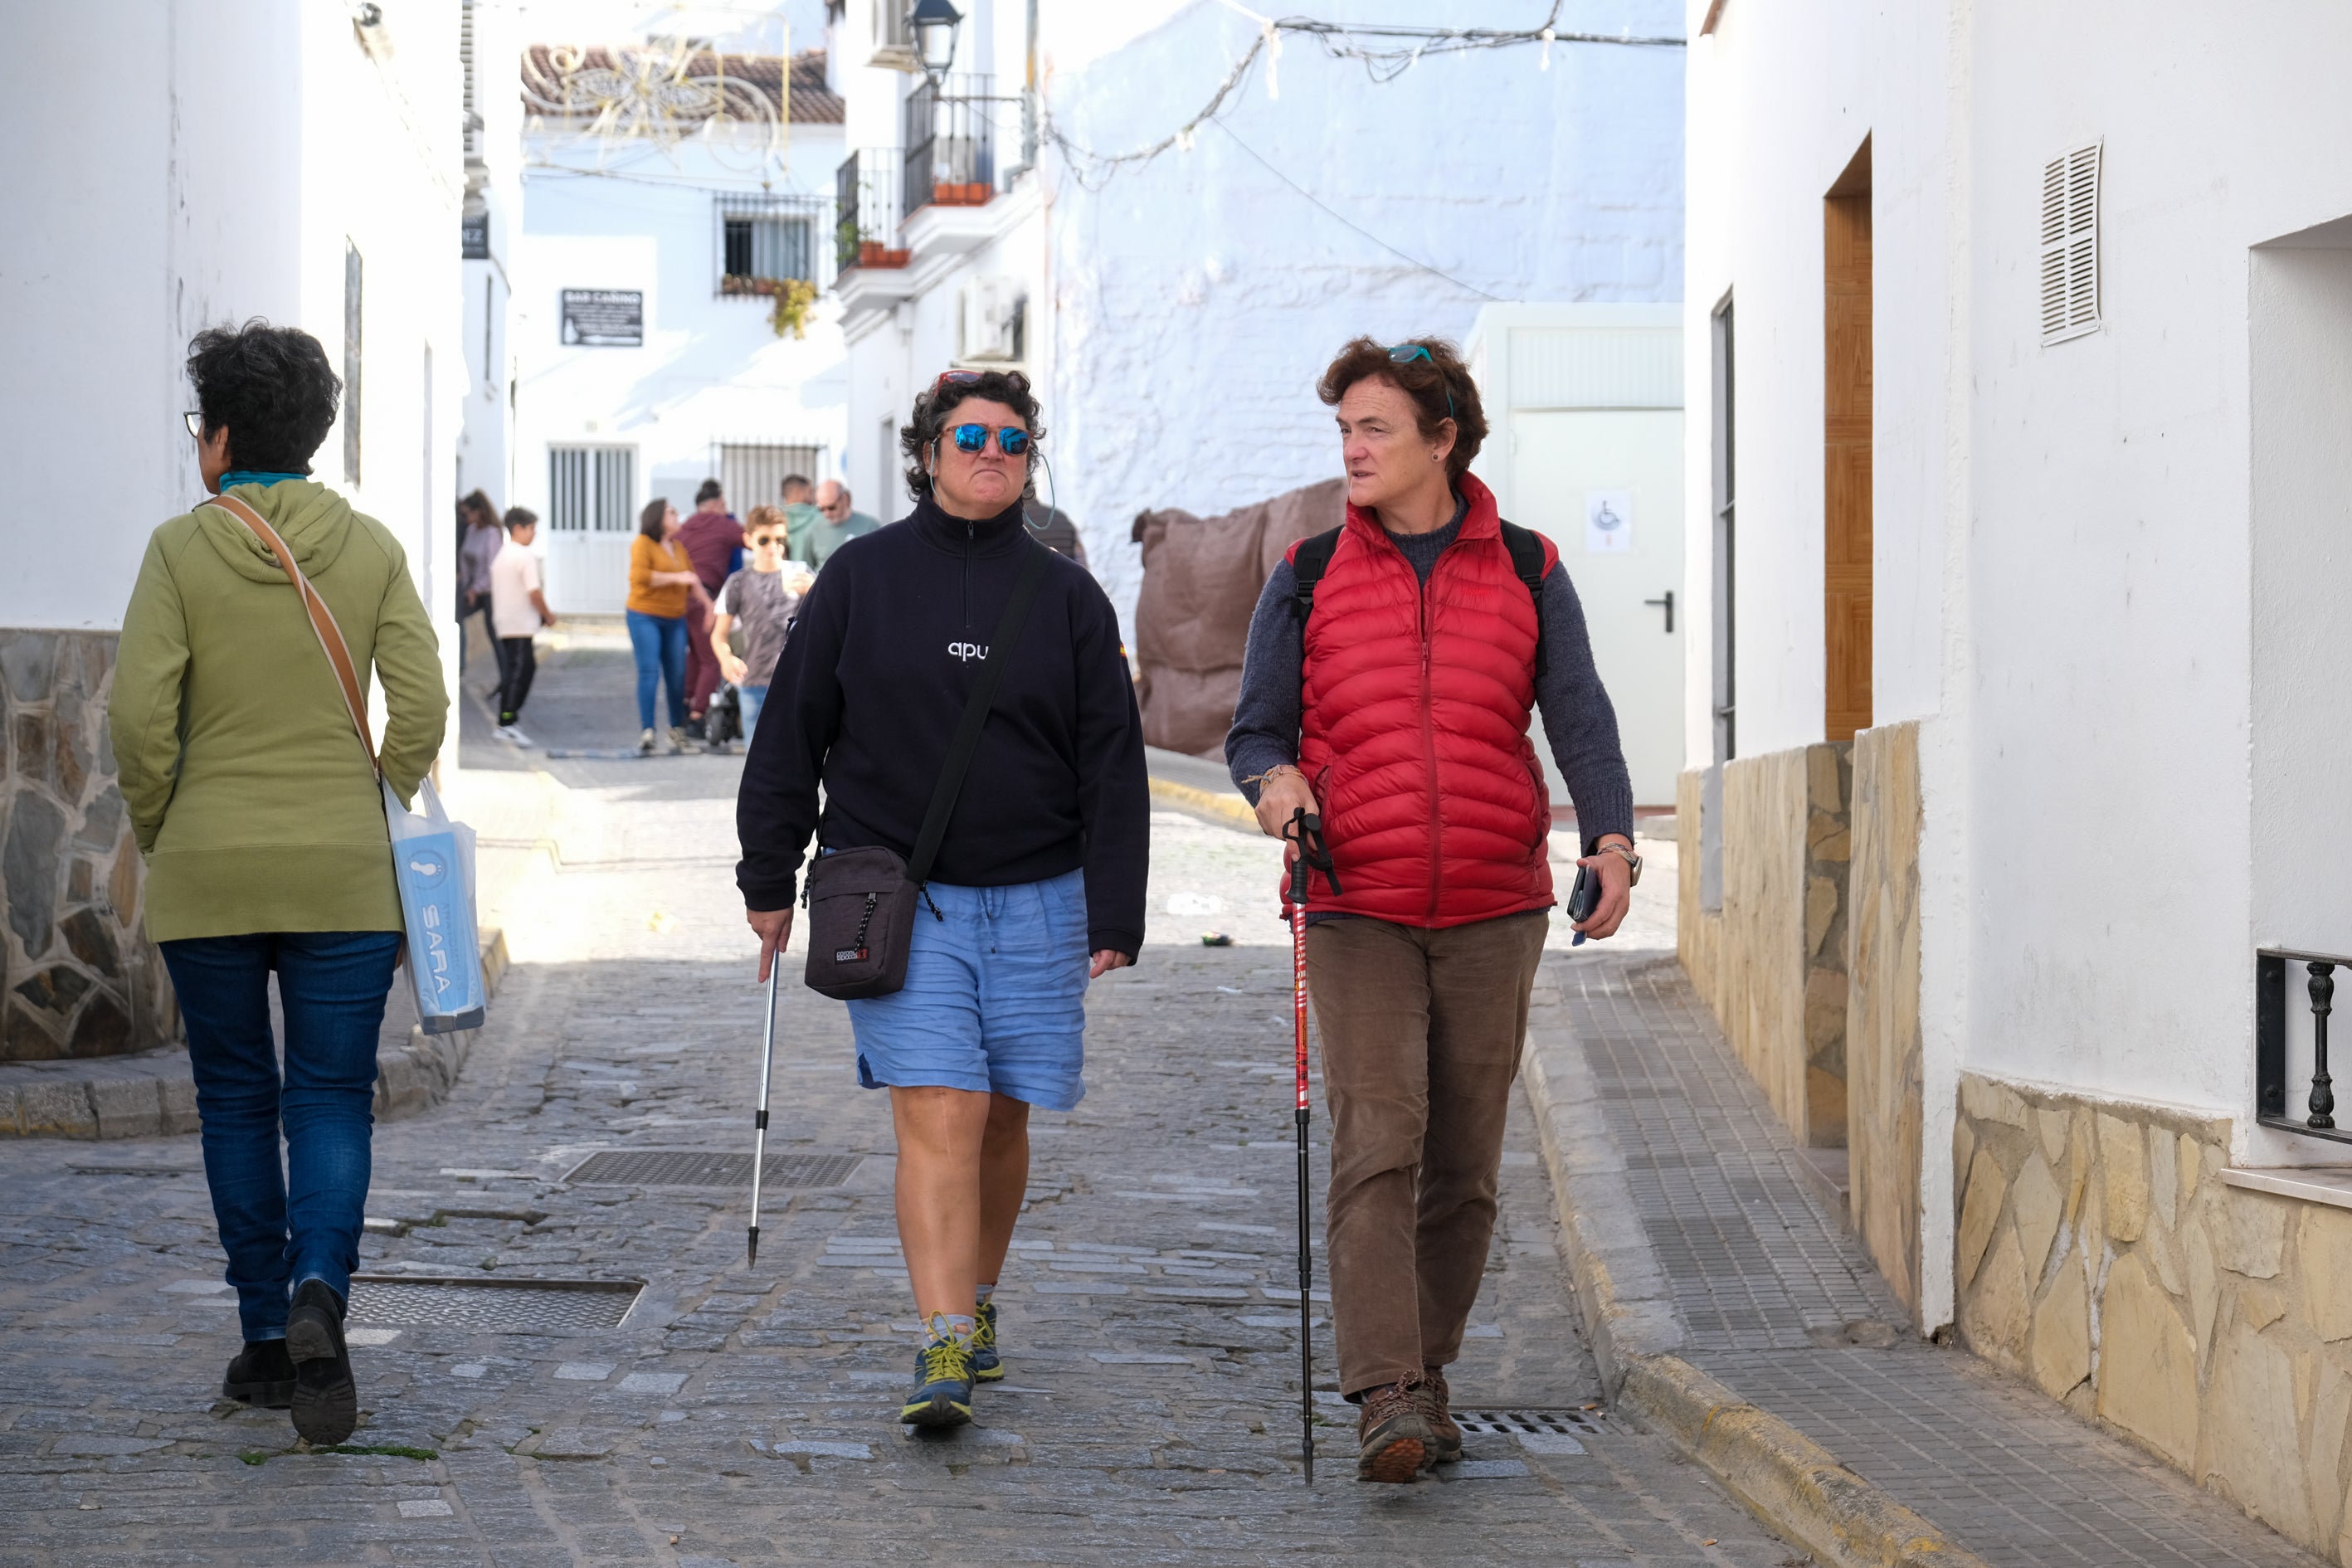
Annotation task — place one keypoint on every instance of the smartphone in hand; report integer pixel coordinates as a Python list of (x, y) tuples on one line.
[(1583, 899)]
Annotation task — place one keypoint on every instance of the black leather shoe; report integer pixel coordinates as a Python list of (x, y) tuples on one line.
[(326, 1403), (262, 1375)]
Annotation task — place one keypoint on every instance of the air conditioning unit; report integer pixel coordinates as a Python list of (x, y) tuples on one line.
[(992, 320)]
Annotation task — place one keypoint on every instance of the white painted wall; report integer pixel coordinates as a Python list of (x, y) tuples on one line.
[(179, 207), (2069, 587), (711, 371), (1198, 298)]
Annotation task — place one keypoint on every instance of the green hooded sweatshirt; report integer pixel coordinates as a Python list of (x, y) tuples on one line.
[(249, 791)]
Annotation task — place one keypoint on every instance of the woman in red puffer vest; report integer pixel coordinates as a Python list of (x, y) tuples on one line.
[(1393, 668)]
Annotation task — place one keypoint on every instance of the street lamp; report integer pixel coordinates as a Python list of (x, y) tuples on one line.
[(935, 22)]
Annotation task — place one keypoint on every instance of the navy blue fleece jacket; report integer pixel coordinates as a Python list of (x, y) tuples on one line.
[(866, 694)]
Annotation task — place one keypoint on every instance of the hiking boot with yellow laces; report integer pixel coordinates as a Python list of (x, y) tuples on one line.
[(942, 1395), (1393, 1436), (986, 1366), (1435, 1400)]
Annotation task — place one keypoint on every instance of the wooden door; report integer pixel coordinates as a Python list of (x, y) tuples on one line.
[(1846, 438)]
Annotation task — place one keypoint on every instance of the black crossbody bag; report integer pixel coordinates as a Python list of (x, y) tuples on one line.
[(862, 902)]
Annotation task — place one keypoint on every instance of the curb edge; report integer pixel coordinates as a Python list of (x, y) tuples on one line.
[(1231, 807), (1790, 1482)]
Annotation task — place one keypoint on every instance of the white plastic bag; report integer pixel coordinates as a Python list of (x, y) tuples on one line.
[(432, 857)]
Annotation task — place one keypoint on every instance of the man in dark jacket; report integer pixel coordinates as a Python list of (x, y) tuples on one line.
[(713, 542)]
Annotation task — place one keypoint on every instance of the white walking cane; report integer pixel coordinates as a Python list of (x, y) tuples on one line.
[(760, 1117)]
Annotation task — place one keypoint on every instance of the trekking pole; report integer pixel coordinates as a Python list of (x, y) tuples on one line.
[(1305, 833), (760, 1117)]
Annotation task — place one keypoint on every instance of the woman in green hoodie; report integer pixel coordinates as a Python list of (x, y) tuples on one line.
[(263, 830)]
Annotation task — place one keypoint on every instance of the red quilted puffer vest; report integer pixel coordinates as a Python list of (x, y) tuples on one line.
[(1415, 728)]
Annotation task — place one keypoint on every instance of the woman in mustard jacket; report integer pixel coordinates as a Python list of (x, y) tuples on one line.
[(661, 581)]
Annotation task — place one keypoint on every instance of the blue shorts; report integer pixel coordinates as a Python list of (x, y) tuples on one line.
[(995, 999)]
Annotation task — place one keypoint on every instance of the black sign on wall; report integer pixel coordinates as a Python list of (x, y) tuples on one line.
[(474, 237), (604, 318)]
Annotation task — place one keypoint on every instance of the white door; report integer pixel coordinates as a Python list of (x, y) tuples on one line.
[(1605, 485), (592, 497)]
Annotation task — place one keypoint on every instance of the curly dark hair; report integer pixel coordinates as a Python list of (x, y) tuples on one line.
[(1439, 385), (929, 422), (271, 387)]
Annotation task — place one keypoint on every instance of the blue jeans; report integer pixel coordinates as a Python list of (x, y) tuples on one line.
[(282, 1225), (750, 700), (659, 644)]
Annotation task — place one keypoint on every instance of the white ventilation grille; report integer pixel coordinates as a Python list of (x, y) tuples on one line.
[(2070, 245)]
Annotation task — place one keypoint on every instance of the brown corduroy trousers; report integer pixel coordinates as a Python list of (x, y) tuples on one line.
[(1421, 1037)]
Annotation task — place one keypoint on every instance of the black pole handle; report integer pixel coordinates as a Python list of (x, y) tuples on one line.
[(1305, 833)]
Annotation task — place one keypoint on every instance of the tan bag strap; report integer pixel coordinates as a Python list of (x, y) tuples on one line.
[(322, 619)]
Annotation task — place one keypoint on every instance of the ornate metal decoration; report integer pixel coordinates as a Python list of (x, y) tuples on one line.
[(664, 94)]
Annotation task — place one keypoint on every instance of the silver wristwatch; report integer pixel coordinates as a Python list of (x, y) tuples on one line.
[(1633, 861)]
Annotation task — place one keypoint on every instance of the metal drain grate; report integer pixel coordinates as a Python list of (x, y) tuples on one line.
[(1522, 1423), (509, 1305), (694, 1168)]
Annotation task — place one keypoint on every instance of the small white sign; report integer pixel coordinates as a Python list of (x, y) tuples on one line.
[(1608, 523)]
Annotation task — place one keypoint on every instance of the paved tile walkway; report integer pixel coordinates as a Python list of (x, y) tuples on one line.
[(1773, 1292), (741, 1416)]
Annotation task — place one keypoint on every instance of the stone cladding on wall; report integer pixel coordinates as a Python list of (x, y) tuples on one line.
[(1772, 964), (1881, 1043), (2102, 1255), (80, 977)]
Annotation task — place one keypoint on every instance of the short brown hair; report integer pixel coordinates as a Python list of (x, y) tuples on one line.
[(763, 516), (1439, 385)]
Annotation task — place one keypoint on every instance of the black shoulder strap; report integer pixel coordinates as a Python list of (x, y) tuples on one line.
[(976, 712), (1528, 566), (1307, 564)]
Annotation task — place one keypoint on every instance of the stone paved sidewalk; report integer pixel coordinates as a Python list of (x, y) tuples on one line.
[(1776, 1298), (741, 1416)]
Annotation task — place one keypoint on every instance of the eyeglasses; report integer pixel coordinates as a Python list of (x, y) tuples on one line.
[(1010, 441), (762, 540), (1405, 354), (194, 420)]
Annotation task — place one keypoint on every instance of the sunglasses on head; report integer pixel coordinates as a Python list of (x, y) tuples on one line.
[(1010, 441), (1013, 378), (1405, 354)]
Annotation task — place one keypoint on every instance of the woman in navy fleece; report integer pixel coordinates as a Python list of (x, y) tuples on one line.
[(1040, 881)]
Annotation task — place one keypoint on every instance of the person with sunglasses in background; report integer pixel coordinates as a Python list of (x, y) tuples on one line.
[(761, 598), (1393, 667), (1038, 887)]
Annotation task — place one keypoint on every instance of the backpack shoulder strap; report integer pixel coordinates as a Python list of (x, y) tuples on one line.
[(1309, 559), (1526, 548)]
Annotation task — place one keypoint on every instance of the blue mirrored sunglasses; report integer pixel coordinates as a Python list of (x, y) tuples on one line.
[(1405, 354), (1010, 441)]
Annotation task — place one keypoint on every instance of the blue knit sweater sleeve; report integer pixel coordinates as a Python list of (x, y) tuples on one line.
[(1580, 721)]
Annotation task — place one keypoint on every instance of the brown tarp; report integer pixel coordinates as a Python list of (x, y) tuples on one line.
[(1201, 581)]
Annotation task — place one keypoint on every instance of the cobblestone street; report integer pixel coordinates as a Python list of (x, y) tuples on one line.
[(745, 1417)]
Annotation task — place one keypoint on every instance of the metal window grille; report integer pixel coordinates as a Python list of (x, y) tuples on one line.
[(353, 314), (950, 144), (591, 489), (753, 475), (765, 240), (2070, 245)]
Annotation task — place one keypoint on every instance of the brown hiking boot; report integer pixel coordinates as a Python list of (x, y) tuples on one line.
[(1432, 1397), (1392, 1435)]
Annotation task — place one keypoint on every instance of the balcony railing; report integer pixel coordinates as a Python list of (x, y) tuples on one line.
[(2274, 972), (866, 210), (950, 144)]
